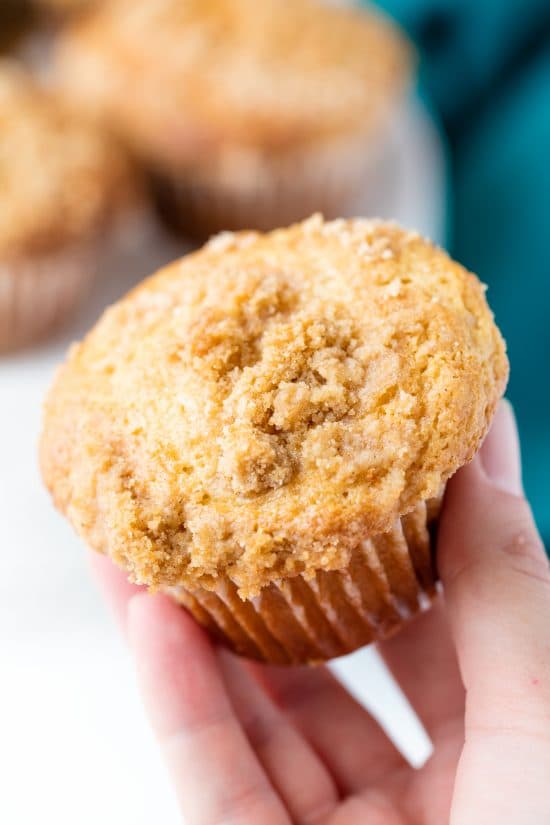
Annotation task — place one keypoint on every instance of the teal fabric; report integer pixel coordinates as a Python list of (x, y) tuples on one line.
[(502, 231), (466, 44), (485, 65)]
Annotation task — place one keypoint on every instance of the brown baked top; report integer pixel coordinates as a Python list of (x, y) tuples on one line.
[(60, 178), (260, 406), (187, 79)]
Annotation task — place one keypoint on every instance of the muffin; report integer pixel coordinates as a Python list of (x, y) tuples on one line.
[(246, 113), (63, 182), (263, 430)]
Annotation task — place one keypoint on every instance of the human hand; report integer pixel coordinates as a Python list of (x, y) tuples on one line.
[(248, 743)]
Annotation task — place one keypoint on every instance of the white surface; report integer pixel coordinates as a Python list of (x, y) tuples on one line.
[(74, 745)]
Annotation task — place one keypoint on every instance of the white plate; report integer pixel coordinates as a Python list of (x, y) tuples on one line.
[(75, 747)]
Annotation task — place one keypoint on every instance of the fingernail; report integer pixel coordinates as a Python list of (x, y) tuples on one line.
[(500, 453)]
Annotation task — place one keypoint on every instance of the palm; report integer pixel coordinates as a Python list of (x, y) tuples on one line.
[(405, 796)]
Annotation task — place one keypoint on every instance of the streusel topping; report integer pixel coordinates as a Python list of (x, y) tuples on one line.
[(261, 406), (59, 177)]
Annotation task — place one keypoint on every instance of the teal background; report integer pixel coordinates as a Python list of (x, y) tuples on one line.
[(485, 68)]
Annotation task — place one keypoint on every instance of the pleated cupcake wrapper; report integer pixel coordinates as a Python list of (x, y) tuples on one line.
[(328, 181), (389, 579), (38, 293)]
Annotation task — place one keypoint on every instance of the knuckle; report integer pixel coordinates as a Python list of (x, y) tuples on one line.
[(526, 729), (523, 556), (243, 804), (320, 814), (526, 555), (194, 727), (523, 543)]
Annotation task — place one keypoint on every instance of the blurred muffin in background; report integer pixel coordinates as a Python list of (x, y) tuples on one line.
[(62, 183), (246, 113)]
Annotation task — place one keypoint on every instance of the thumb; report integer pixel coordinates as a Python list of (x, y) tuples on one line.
[(496, 580), (497, 587)]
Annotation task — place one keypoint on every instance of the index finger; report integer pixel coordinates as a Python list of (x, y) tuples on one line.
[(217, 776)]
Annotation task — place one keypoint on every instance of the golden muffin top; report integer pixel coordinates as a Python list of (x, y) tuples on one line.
[(266, 74), (259, 407), (59, 177)]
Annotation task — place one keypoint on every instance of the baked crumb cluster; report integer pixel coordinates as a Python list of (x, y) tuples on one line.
[(59, 177), (267, 74), (258, 408)]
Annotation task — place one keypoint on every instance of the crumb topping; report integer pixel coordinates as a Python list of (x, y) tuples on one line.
[(261, 406), (59, 177)]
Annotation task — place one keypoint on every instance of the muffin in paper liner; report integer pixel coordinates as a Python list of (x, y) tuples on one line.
[(37, 294), (388, 580), (245, 114), (260, 430), (66, 186), (328, 178)]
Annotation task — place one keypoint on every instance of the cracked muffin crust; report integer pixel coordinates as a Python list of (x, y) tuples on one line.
[(259, 408)]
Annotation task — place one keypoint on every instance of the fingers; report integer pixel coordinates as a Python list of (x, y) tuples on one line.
[(497, 585), (423, 660), (496, 579), (217, 776), (501, 455), (342, 735), (293, 767), (349, 741), (114, 585)]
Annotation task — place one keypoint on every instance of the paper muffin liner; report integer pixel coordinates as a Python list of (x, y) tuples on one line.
[(329, 180), (389, 579), (37, 293)]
